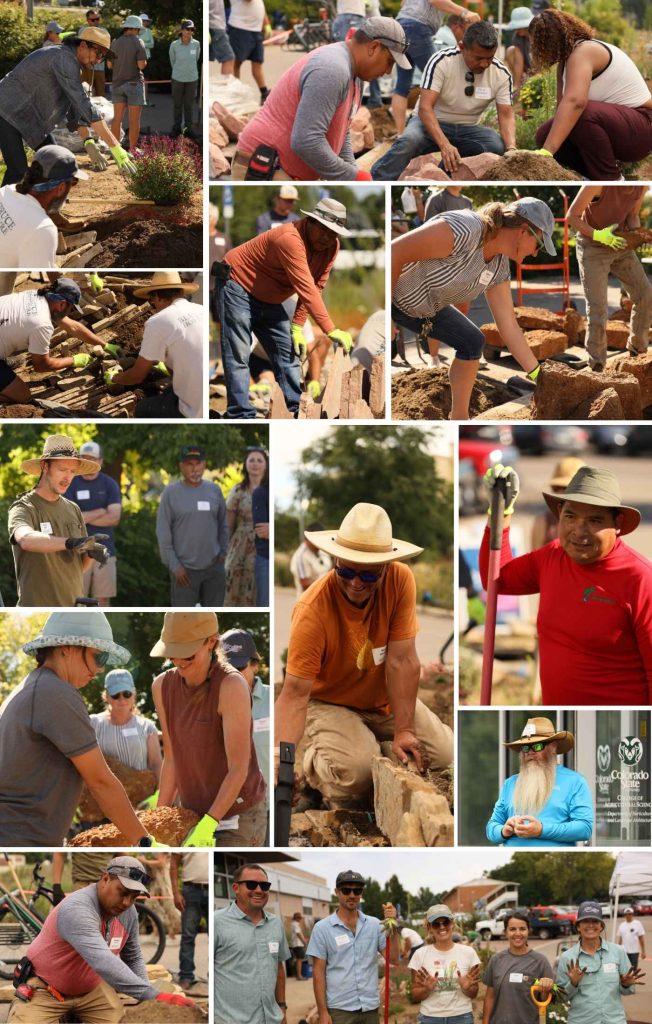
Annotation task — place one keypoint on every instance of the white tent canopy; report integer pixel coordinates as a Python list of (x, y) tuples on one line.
[(632, 876)]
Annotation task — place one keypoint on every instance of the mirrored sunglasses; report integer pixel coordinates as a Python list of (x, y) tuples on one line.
[(346, 573), (536, 748)]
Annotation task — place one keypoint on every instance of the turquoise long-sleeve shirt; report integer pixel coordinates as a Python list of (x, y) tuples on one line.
[(147, 37), (567, 818), (596, 1000), (184, 58)]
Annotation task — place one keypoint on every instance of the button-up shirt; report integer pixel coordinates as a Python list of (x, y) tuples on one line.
[(596, 1000), (351, 961), (247, 956), (260, 712)]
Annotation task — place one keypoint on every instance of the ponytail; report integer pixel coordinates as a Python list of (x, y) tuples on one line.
[(497, 216), (32, 176)]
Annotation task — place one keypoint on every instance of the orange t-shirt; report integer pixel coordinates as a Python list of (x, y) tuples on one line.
[(328, 634)]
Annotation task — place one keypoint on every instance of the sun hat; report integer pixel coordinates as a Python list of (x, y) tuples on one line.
[(79, 629), (365, 535), (132, 21), (536, 730), (592, 486), (121, 867), (535, 212), (439, 910), (100, 36), (57, 164), (91, 448), (58, 446), (589, 910), (565, 470), (183, 634), (239, 647), (331, 214), (390, 33), (54, 26), (288, 192), (520, 17), (118, 680), (163, 280)]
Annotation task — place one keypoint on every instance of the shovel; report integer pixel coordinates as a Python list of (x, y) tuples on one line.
[(388, 930), (495, 544), (283, 794), (541, 1004)]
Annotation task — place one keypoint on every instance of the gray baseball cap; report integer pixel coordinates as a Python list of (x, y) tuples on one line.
[(58, 164), (54, 26), (390, 33), (535, 212), (131, 874), (589, 910), (439, 910), (66, 288)]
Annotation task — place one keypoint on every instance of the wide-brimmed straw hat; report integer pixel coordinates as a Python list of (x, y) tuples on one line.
[(565, 470), (99, 36), (163, 280), (183, 634), (591, 486), (330, 213), (79, 629), (536, 730), (58, 446), (365, 536)]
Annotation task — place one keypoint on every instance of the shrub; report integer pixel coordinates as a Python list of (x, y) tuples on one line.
[(169, 171)]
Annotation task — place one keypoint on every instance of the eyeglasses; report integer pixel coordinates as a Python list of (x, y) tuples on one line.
[(125, 695), (536, 748), (470, 89), (99, 51), (252, 885), (346, 573), (135, 874), (540, 242), (351, 890)]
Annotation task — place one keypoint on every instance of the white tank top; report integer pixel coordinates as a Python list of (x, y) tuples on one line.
[(621, 82)]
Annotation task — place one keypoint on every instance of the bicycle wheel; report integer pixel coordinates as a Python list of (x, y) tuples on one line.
[(15, 937), (152, 934)]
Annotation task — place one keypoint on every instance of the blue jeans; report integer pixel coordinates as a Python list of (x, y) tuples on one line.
[(13, 152), (341, 25), (220, 48), (241, 315), (448, 326), (459, 1018), (262, 580), (196, 897), (469, 139), (421, 49)]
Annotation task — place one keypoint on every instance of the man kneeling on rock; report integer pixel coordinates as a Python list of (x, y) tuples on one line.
[(352, 669), (87, 952)]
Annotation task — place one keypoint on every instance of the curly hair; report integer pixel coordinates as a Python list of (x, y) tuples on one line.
[(553, 34)]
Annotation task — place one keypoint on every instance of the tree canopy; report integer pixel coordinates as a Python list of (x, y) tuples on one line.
[(559, 877)]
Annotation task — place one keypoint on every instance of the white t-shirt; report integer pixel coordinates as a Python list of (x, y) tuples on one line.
[(247, 14), (28, 238), (447, 1000), (414, 937), (629, 932), (174, 336), (25, 324)]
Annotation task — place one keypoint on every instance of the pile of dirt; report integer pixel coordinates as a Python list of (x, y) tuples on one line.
[(168, 825), (22, 412), (138, 786), (522, 165), (426, 395), (151, 1012), (151, 243)]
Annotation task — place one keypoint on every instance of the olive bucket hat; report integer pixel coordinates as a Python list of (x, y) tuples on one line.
[(591, 486), (79, 629)]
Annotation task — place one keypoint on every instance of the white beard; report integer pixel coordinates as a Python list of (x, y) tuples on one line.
[(534, 786)]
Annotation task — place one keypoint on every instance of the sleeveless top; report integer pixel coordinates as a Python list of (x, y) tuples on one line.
[(620, 82), (612, 205)]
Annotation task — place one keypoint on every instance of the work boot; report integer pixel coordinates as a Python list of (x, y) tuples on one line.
[(264, 93)]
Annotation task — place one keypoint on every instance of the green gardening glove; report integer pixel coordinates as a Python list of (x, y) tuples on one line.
[(149, 803), (513, 485), (81, 359), (115, 350), (123, 160), (543, 152), (203, 834), (605, 236), (342, 338), (111, 373), (162, 368), (533, 374), (475, 609), (299, 343), (97, 284), (313, 387)]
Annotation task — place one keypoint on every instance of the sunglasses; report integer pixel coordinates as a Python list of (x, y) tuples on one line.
[(536, 748), (135, 874), (470, 89), (188, 661), (252, 885), (393, 44), (345, 573), (538, 240), (125, 694), (351, 890), (101, 658), (441, 922)]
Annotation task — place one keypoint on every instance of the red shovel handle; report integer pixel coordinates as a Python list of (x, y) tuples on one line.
[(497, 514)]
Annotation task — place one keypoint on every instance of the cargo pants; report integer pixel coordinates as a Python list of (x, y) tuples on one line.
[(102, 1005)]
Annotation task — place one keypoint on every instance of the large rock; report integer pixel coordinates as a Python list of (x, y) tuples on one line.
[(574, 325), (473, 168), (561, 391), (232, 125), (138, 785), (168, 825), (605, 405), (362, 131), (617, 335), (424, 168), (216, 134), (217, 162), (544, 344), (492, 336), (534, 318), (639, 236), (407, 804), (639, 367)]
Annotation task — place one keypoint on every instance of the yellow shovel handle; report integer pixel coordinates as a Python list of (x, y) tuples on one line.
[(541, 1003)]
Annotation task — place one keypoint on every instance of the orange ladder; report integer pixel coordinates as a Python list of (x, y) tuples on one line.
[(564, 267)]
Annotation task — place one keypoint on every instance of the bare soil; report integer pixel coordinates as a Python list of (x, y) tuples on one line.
[(525, 166), (151, 1012), (426, 395), (168, 825), (383, 123)]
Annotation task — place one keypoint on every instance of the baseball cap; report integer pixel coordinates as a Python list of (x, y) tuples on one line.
[(91, 448), (119, 680), (65, 288), (239, 647), (131, 874), (288, 192), (439, 910), (145, 17), (54, 26), (184, 633), (535, 212), (353, 877), (58, 164), (390, 33), (589, 910), (192, 451), (187, 23)]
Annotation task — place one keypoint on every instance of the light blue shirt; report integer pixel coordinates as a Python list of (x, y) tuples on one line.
[(247, 958), (351, 961), (147, 37), (184, 59), (596, 1000), (260, 711), (567, 818)]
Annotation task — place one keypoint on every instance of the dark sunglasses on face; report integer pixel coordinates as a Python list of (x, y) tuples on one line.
[(441, 922), (126, 694), (252, 885), (470, 89), (93, 21), (536, 748), (350, 574), (351, 890), (101, 658)]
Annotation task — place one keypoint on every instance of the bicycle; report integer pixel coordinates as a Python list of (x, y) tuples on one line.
[(308, 34), (21, 922)]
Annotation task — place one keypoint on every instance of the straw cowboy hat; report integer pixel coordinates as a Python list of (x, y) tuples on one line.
[(163, 280), (184, 633), (365, 536), (99, 36), (331, 214), (565, 470), (591, 486), (58, 446), (79, 629), (537, 730)]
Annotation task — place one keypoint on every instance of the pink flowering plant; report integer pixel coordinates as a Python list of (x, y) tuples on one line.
[(168, 171)]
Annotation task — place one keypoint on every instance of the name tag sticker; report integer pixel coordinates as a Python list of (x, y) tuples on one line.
[(342, 940), (115, 942), (273, 947), (516, 978), (130, 732), (83, 495), (45, 528), (482, 92), (610, 968), (261, 724), (203, 506), (379, 654), (486, 277)]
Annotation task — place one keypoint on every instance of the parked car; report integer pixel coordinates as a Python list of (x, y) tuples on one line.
[(480, 448), (642, 906), (545, 922), (532, 439), (608, 439), (639, 440)]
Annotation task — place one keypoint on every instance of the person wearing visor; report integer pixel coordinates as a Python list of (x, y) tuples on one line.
[(595, 973), (253, 283), (48, 746), (352, 667), (456, 257), (595, 610), (209, 758), (88, 953), (29, 237), (45, 89), (545, 804), (307, 116), (445, 974)]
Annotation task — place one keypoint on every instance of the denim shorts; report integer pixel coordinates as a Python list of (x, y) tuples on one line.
[(247, 45), (421, 49), (131, 93), (220, 48), (449, 326)]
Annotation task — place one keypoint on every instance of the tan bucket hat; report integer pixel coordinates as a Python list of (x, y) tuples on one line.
[(565, 470), (164, 279), (331, 213), (365, 536), (99, 36), (58, 446), (592, 486), (537, 729), (183, 634)]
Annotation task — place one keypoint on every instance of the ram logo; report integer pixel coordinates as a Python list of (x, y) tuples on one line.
[(630, 750), (604, 757)]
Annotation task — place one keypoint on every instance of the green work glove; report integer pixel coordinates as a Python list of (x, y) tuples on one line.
[(299, 343), (149, 803), (475, 609), (605, 236), (510, 475), (162, 368), (203, 834), (342, 338), (313, 387), (123, 160), (113, 349), (97, 284), (543, 152), (81, 359), (97, 158), (261, 389), (111, 373), (533, 374), (267, 30)]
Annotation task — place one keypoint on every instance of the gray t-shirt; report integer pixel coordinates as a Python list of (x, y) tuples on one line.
[(43, 724), (511, 978), (444, 202), (324, 84), (128, 50), (191, 525)]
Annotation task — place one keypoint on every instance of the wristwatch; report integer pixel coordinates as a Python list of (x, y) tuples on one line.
[(145, 841), (283, 1006)]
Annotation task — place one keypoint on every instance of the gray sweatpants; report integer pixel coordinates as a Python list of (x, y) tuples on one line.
[(206, 588)]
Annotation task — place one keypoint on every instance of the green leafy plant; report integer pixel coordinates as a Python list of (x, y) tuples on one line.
[(168, 171)]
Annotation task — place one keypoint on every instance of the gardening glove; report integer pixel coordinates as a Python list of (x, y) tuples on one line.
[(267, 30), (115, 350), (342, 338), (162, 368), (203, 834), (57, 893), (533, 374), (475, 609), (263, 389), (97, 158), (363, 176), (543, 152), (299, 343), (97, 284), (98, 553), (111, 373), (510, 476), (81, 359), (85, 545), (313, 387), (149, 803), (605, 236), (173, 999), (123, 160)]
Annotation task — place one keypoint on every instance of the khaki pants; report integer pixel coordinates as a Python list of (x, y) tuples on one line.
[(342, 742), (101, 580), (250, 831), (100, 1006), (595, 263)]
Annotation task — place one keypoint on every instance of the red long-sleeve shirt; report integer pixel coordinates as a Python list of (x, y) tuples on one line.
[(594, 621)]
